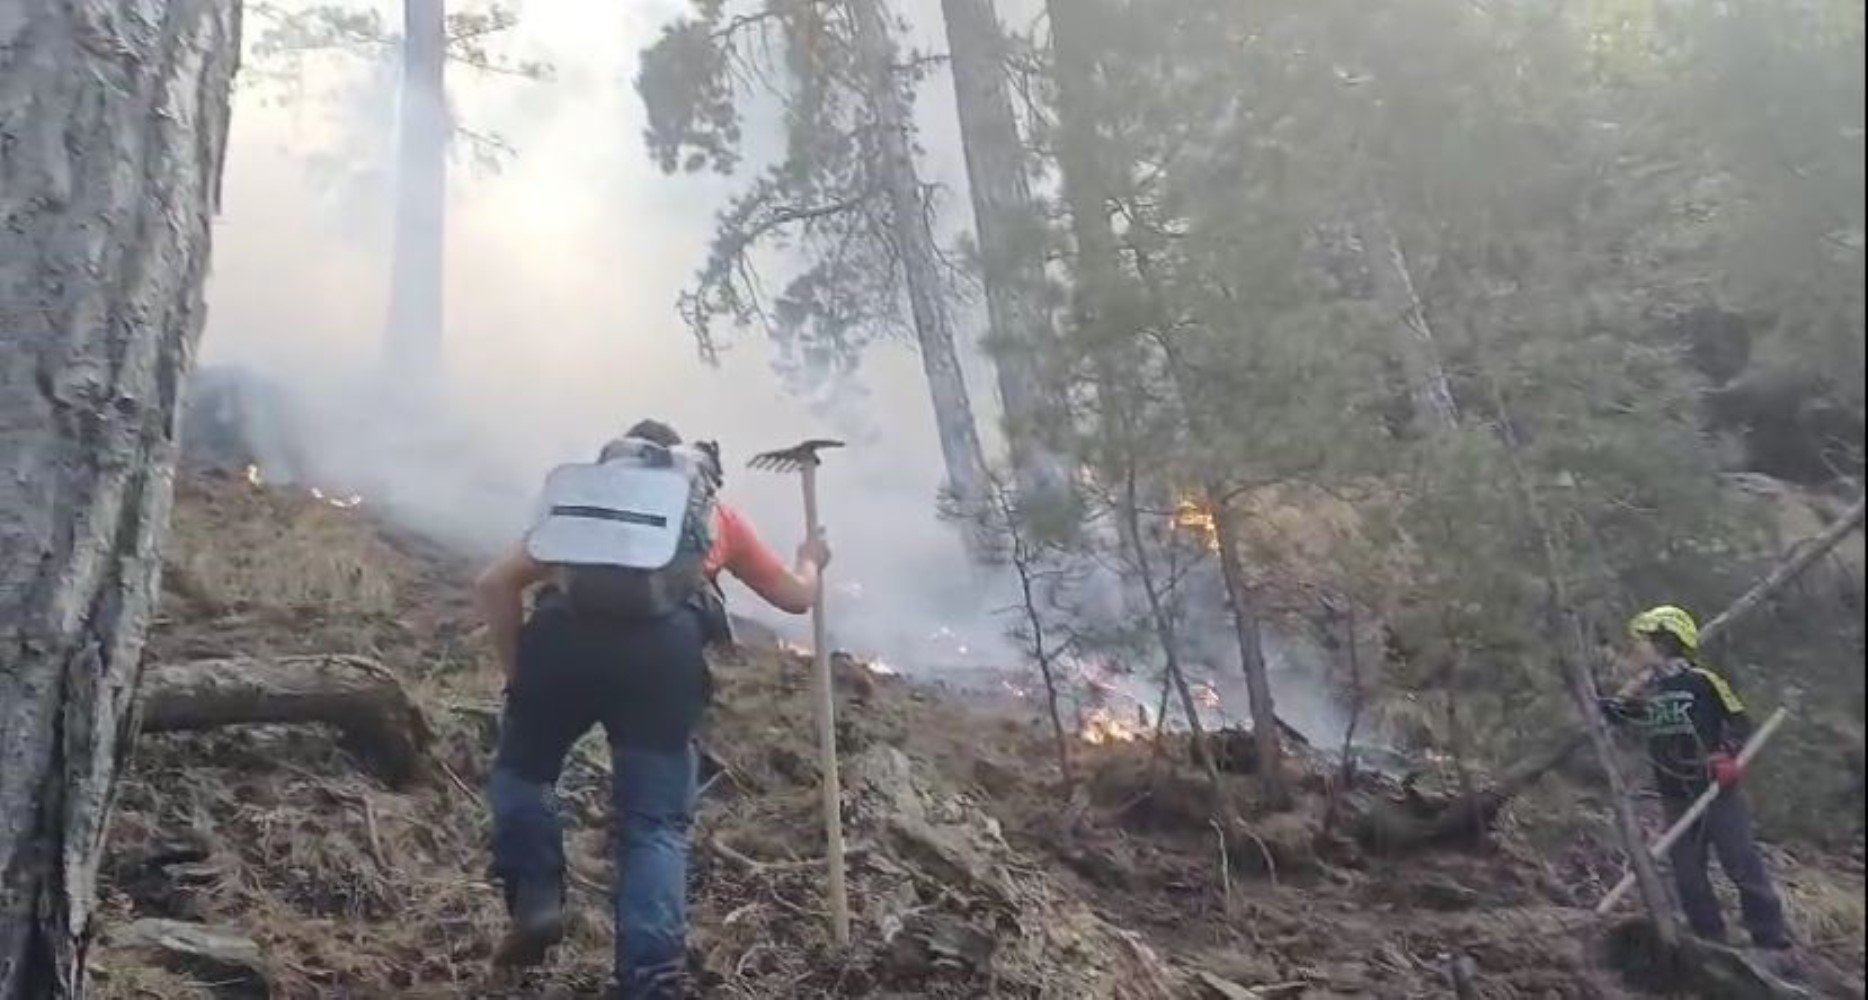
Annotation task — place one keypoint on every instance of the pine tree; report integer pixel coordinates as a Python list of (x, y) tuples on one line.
[(846, 196)]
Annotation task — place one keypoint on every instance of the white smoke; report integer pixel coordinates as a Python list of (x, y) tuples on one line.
[(561, 275)]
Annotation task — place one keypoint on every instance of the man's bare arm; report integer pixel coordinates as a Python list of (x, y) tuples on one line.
[(499, 595)]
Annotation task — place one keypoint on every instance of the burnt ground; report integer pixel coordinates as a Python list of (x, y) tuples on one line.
[(975, 870)]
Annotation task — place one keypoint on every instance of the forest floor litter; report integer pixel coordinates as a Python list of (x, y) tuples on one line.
[(270, 860)]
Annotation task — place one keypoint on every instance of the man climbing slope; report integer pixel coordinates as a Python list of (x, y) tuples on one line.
[(1695, 727), (618, 640)]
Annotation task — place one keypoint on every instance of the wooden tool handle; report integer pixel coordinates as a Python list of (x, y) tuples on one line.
[(827, 736), (1695, 811)]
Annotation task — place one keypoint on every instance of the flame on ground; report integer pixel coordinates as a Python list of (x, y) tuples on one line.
[(1196, 518), (1101, 726), (346, 501), (1206, 695), (341, 503)]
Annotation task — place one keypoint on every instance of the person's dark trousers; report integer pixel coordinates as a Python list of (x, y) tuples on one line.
[(1725, 831), (644, 683)]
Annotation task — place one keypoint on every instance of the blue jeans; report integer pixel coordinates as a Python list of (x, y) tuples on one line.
[(571, 677)]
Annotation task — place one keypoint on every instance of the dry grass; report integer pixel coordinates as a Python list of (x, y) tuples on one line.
[(250, 548), (120, 976), (1825, 906), (352, 889)]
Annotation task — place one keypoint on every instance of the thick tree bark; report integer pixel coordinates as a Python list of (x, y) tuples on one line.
[(113, 120), (915, 252), (1012, 245), (412, 337), (1396, 295), (360, 698)]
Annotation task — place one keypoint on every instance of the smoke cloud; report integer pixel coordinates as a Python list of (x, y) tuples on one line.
[(561, 273)]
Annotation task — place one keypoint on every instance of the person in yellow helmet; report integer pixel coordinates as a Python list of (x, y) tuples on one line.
[(1695, 725)]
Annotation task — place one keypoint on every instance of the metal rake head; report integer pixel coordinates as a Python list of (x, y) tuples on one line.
[(793, 459)]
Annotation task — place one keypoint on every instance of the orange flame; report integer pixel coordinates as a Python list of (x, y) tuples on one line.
[(1195, 517), (1101, 726)]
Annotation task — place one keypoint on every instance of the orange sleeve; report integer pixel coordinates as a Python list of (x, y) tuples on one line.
[(740, 552)]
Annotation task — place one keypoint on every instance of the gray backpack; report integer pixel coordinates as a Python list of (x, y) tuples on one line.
[(629, 534)]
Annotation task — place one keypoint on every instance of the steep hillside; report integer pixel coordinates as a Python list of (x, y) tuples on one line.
[(974, 873)]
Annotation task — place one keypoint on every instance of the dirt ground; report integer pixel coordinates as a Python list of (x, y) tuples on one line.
[(975, 871)]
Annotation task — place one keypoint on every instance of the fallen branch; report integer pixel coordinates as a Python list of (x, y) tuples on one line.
[(359, 697), (1800, 558)]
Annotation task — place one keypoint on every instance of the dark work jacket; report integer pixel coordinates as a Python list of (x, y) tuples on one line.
[(1686, 713)]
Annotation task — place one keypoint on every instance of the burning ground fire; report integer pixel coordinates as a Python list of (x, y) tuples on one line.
[(1108, 696), (1108, 704), (1196, 518), (348, 501), (1101, 726), (874, 666), (341, 503)]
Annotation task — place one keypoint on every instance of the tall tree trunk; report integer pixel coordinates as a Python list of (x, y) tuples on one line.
[(1024, 560), (1245, 619), (1245, 622), (1012, 245), (1086, 188), (914, 247), (1161, 617), (1564, 630), (1396, 295), (412, 338), (113, 120)]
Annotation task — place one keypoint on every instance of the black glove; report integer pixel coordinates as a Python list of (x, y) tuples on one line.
[(716, 624)]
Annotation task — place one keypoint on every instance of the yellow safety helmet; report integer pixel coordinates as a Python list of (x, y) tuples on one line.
[(1670, 620)]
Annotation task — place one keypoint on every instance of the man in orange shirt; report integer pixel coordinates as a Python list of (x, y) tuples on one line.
[(645, 682)]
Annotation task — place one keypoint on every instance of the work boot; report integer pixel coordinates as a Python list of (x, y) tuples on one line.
[(537, 911)]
